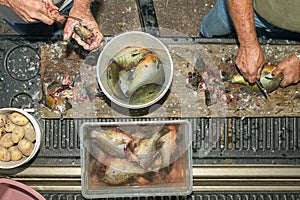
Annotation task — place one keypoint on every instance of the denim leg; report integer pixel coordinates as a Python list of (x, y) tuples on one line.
[(217, 21)]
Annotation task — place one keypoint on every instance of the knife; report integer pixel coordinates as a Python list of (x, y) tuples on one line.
[(262, 89)]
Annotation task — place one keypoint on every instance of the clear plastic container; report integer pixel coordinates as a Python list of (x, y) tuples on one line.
[(129, 159)]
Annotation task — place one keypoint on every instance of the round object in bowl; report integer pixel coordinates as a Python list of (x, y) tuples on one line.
[(156, 83), (20, 137)]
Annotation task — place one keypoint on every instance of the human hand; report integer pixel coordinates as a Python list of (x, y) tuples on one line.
[(250, 60), (290, 68), (32, 10), (87, 20)]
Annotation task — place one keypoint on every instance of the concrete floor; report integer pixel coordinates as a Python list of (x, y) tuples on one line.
[(116, 16)]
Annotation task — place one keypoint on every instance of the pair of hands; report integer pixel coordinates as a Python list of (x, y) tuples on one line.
[(46, 12), (250, 61)]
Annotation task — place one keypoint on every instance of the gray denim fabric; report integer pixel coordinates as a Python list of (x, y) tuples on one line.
[(217, 22)]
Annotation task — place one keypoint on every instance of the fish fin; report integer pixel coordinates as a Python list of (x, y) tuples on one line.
[(226, 77)]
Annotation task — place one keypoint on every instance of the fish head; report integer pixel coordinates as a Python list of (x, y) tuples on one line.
[(270, 82), (150, 58), (115, 177)]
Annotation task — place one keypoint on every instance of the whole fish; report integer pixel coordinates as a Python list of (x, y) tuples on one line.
[(168, 146), (270, 83), (146, 149), (150, 70), (145, 93), (130, 56), (112, 78), (113, 141), (85, 34), (120, 171)]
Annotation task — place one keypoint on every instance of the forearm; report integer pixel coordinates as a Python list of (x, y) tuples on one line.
[(4, 2), (242, 15), (83, 4)]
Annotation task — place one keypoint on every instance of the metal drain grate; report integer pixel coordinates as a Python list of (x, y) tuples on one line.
[(249, 140), (215, 140), (194, 196)]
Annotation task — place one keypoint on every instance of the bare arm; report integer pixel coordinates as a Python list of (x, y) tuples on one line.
[(250, 58), (30, 10)]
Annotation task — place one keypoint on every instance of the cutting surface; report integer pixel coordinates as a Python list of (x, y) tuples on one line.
[(181, 100)]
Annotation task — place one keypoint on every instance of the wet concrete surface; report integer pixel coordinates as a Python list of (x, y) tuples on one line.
[(116, 16)]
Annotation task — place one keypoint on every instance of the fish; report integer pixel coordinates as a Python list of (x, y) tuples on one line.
[(84, 33), (146, 149), (52, 100), (112, 78), (125, 77), (150, 70), (120, 171), (113, 141), (130, 56), (270, 83), (168, 146), (145, 93)]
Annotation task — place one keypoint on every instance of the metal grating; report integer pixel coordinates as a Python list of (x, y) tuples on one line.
[(194, 196), (215, 140)]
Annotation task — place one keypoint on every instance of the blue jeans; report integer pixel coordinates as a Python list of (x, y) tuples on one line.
[(39, 28), (217, 22)]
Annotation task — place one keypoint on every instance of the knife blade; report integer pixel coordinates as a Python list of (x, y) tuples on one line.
[(69, 16), (262, 89)]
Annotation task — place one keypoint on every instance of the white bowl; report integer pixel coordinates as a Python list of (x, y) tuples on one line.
[(37, 143), (134, 38)]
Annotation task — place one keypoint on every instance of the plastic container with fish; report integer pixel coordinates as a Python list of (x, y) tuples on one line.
[(135, 70), (128, 159)]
